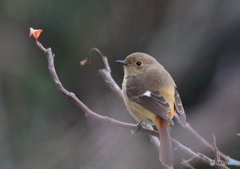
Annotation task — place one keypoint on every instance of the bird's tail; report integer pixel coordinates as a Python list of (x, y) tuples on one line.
[(166, 151)]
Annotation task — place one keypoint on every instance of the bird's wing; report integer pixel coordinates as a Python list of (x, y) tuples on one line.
[(179, 108), (150, 100)]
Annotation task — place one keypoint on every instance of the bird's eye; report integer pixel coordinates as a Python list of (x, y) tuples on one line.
[(138, 63)]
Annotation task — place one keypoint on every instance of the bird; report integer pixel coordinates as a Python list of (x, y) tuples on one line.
[(150, 95)]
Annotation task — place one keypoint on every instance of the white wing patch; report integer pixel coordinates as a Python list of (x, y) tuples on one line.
[(147, 93)]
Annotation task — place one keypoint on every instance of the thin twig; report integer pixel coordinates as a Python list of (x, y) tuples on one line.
[(194, 155), (186, 163), (189, 160), (216, 152), (189, 128)]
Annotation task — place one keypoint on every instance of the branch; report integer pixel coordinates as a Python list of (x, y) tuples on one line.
[(106, 73), (198, 156), (186, 163), (189, 128), (87, 111), (216, 151)]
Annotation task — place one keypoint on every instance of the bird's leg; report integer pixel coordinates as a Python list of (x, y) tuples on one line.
[(139, 126)]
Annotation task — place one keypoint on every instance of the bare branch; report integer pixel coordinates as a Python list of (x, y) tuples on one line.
[(106, 73), (217, 157), (186, 164), (87, 111), (108, 78), (194, 155), (189, 128)]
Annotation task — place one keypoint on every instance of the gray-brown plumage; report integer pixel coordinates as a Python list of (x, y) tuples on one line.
[(150, 95)]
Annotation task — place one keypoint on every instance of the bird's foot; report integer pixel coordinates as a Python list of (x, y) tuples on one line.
[(139, 126)]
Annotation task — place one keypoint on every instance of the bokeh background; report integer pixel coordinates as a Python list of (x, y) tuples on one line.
[(198, 42)]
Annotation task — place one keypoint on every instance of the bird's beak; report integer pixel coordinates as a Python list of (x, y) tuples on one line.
[(121, 62)]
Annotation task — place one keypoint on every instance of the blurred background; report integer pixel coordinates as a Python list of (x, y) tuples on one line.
[(198, 42)]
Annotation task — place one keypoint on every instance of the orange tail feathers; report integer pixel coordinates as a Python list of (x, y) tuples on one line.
[(166, 150)]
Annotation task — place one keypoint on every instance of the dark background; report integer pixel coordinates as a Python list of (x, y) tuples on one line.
[(198, 42)]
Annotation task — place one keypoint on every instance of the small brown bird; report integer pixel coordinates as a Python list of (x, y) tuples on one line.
[(150, 95)]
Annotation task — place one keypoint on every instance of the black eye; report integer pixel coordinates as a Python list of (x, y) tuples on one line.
[(138, 63)]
